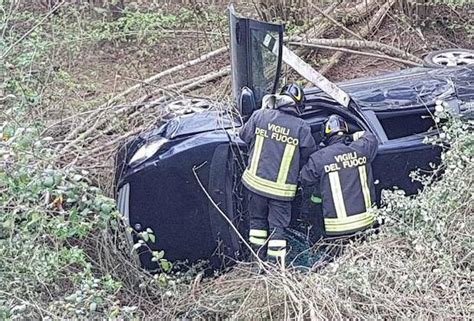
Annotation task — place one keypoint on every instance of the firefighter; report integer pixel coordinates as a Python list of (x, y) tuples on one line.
[(341, 174), (280, 142)]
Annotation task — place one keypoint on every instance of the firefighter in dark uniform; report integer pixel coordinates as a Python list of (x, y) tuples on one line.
[(341, 176), (279, 143)]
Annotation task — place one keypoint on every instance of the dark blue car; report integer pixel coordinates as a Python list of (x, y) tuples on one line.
[(167, 176)]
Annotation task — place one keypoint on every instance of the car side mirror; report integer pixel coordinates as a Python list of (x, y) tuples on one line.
[(247, 101)]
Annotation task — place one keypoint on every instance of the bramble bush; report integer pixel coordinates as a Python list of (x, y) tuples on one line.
[(46, 214)]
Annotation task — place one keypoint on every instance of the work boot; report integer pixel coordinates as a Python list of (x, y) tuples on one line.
[(277, 252), (260, 250), (258, 242)]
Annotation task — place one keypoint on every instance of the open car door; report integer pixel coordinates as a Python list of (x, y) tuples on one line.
[(255, 66), (257, 53)]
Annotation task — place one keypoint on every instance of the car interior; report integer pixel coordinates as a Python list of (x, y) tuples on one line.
[(318, 116), (398, 124)]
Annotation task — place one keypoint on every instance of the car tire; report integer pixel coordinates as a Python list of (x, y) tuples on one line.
[(449, 58)]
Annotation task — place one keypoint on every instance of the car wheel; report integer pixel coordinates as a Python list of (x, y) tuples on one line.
[(188, 106), (450, 58)]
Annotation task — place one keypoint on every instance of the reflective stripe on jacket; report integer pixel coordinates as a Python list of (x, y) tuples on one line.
[(343, 173), (279, 143)]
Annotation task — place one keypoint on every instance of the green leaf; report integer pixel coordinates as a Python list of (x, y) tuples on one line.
[(93, 306), (136, 246), (152, 237), (48, 181), (106, 208), (158, 254), (115, 312), (144, 236), (166, 265)]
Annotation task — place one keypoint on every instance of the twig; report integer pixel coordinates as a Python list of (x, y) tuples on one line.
[(260, 262), (335, 22), (33, 28), (26, 302)]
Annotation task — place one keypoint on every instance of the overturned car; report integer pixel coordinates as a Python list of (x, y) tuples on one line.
[(182, 179)]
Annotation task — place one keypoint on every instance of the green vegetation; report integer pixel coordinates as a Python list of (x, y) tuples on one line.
[(148, 27), (47, 214)]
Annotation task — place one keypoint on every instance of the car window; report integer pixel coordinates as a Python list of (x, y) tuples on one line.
[(264, 63), (406, 123), (255, 59)]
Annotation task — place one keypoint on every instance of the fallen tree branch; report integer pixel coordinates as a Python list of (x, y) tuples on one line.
[(353, 14), (100, 121), (169, 71), (204, 79), (362, 53), (111, 143), (358, 12), (172, 87), (318, 26), (335, 22), (374, 22), (360, 44), (145, 82)]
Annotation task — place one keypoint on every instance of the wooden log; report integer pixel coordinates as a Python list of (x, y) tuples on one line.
[(355, 52), (374, 22), (358, 44)]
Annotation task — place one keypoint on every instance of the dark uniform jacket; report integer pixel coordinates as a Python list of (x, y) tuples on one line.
[(280, 143), (343, 174)]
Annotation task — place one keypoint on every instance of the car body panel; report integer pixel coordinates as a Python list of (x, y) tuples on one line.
[(166, 196)]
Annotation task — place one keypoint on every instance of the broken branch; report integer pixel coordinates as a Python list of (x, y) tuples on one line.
[(362, 53), (360, 44), (335, 22), (102, 120), (364, 32), (145, 82)]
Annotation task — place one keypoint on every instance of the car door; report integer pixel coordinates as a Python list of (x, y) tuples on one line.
[(255, 67)]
